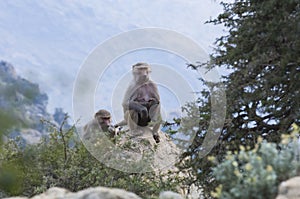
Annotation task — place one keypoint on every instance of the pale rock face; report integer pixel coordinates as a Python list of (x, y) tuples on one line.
[(53, 192), (134, 151), (90, 193), (289, 189), (31, 136), (102, 192), (169, 195), (8, 70), (95, 193)]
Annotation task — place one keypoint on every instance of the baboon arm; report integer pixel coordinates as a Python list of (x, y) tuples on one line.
[(154, 91), (137, 106), (128, 96), (122, 123), (154, 112)]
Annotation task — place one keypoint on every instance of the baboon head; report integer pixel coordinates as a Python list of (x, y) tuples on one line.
[(104, 119), (141, 72)]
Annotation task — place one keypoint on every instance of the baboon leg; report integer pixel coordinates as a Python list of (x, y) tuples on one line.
[(154, 114), (122, 123)]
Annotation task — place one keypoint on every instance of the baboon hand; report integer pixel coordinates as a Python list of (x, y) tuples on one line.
[(156, 137), (144, 112), (152, 102)]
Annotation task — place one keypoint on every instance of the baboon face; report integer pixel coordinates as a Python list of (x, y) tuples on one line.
[(104, 119), (141, 72)]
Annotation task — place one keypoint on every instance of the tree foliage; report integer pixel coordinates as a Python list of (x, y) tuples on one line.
[(262, 51)]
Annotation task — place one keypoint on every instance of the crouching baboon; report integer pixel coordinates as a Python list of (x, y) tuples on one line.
[(100, 123), (141, 103)]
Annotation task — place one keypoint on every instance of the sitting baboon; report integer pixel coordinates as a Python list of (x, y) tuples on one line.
[(141, 103), (100, 123)]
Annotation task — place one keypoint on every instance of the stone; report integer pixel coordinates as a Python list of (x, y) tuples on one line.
[(102, 193), (90, 193), (53, 192), (17, 197), (169, 195), (135, 151), (289, 189)]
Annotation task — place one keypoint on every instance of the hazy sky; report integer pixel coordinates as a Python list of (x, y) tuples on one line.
[(48, 40)]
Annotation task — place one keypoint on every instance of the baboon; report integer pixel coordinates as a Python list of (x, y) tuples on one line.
[(100, 123), (141, 103)]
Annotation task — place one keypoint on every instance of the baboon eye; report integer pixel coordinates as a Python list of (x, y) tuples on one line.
[(141, 70)]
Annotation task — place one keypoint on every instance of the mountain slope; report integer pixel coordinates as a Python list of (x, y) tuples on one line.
[(24, 102)]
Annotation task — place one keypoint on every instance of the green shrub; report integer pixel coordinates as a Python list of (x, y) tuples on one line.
[(256, 173), (63, 161)]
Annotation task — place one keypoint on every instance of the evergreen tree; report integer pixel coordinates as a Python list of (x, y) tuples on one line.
[(262, 50)]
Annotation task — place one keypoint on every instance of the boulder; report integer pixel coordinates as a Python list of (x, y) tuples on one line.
[(90, 193), (169, 195), (289, 189), (135, 152)]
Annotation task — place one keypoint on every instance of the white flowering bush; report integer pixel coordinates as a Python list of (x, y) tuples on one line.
[(256, 173)]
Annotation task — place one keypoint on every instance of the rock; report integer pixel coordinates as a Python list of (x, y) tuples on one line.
[(90, 193), (102, 193), (289, 189), (31, 136), (52, 193), (7, 71), (16, 198), (169, 195), (135, 152)]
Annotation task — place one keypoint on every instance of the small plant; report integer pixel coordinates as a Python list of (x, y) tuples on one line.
[(256, 173)]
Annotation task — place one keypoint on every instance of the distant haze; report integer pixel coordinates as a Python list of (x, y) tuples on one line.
[(48, 40)]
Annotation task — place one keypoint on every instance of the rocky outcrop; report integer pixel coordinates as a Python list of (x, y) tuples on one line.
[(169, 195), (95, 193), (7, 72), (134, 152), (289, 189), (90, 193)]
